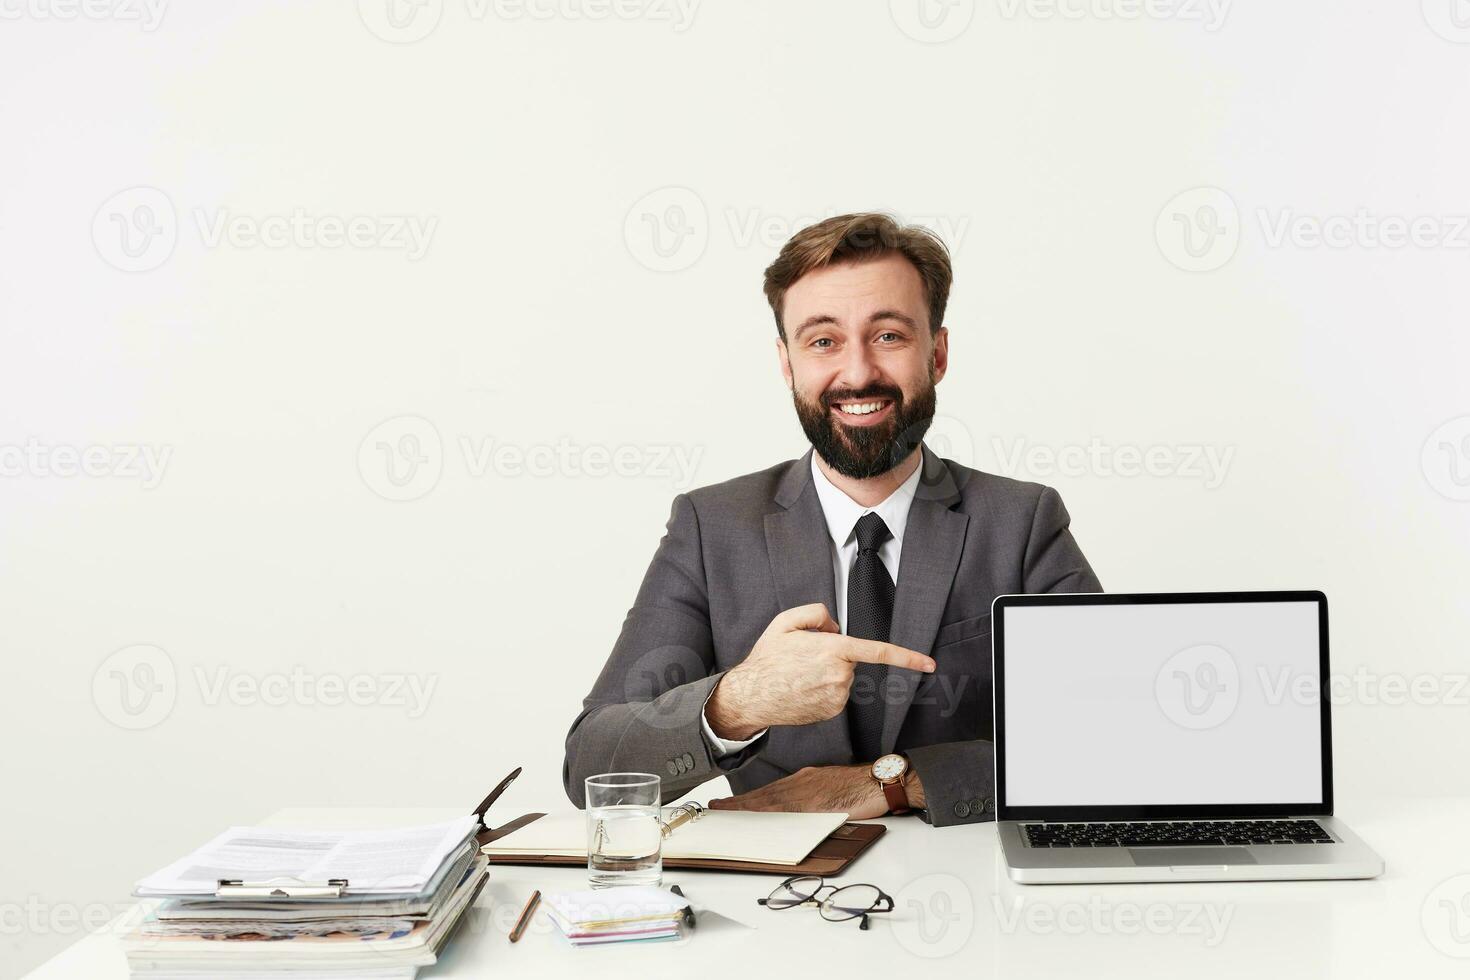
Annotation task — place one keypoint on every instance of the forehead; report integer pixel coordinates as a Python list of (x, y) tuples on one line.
[(852, 291)]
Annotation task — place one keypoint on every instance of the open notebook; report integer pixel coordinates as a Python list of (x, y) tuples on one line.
[(718, 835)]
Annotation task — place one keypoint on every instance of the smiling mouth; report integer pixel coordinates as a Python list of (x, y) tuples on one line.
[(862, 408), (864, 413)]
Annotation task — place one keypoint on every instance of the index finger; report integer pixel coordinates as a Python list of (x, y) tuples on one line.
[(877, 652)]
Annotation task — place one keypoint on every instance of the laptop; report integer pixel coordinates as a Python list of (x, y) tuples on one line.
[(1167, 737)]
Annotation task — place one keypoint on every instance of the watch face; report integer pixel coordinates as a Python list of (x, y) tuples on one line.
[(890, 767)]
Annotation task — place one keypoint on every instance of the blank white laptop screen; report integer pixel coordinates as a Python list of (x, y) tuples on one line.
[(1176, 703)]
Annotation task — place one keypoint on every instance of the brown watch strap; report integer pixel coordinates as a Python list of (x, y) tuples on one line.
[(898, 800)]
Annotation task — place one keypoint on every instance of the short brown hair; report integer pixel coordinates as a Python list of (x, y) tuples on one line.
[(854, 238)]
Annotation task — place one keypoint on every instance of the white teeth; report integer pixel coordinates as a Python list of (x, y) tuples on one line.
[(861, 408)]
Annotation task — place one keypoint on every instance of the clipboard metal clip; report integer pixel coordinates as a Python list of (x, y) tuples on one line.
[(679, 816), (279, 888), (495, 795)]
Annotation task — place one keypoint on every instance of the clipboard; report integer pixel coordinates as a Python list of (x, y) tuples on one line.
[(831, 857)]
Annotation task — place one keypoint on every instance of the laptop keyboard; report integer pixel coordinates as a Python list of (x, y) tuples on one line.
[(1175, 833)]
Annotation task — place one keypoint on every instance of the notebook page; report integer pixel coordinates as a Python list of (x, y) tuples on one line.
[(722, 835)]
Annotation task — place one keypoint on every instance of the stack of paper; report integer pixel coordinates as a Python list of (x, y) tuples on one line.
[(617, 915), (406, 890)]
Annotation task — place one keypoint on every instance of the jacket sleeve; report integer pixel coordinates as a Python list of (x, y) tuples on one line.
[(645, 711), (959, 777)]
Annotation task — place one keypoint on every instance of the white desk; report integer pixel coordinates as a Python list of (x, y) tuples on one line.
[(959, 916)]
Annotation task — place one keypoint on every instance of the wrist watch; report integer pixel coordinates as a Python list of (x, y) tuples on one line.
[(889, 770)]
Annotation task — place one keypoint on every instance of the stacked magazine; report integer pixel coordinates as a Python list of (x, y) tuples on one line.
[(262, 902)]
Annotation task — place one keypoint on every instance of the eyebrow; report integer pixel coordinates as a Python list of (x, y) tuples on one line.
[(819, 319)]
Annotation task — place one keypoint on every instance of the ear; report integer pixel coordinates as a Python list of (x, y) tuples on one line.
[(941, 353), (785, 358)]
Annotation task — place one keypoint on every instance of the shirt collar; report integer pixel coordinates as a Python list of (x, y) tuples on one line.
[(842, 512)]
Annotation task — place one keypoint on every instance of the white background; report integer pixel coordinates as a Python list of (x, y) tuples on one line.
[(1050, 149)]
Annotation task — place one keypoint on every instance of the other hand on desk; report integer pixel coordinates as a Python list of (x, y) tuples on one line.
[(824, 789)]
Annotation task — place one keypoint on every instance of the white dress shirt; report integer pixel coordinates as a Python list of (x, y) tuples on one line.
[(842, 513)]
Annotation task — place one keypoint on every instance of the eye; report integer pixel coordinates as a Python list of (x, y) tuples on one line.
[(888, 336), (822, 342)]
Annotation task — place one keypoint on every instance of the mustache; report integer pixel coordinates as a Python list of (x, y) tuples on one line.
[(868, 393)]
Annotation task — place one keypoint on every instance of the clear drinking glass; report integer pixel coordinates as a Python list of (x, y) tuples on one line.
[(624, 836)]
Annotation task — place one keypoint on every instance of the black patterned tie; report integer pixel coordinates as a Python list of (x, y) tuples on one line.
[(869, 615)]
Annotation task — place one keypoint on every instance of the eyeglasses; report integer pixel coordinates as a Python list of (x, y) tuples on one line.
[(838, 904)]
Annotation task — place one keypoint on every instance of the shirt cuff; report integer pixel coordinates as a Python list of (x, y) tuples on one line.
[(720, 746)]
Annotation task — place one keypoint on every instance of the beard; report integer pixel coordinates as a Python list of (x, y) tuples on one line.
[(861, 452)]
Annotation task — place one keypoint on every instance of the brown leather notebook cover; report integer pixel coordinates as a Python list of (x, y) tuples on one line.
[(830, 857)]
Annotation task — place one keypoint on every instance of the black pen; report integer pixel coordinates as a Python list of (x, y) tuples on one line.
[(688, 912)]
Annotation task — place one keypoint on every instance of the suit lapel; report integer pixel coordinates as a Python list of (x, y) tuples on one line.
[(800, 551), (932, 542)]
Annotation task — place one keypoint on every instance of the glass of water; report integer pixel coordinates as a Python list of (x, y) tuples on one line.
[(624, 835)]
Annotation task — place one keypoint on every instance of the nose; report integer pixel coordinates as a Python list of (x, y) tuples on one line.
[(859, 368)]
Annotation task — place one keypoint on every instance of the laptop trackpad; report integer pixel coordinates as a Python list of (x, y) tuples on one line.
[(1153, 857)]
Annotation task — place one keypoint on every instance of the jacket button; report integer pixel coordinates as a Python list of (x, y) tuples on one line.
[(977, 806), (688, 761), (962, 809), (673, 769), (989, 804)]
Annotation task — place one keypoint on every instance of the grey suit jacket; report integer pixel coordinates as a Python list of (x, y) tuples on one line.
[(737, 553)]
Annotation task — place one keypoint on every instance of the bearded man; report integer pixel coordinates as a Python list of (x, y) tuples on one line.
[(819, 632)]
